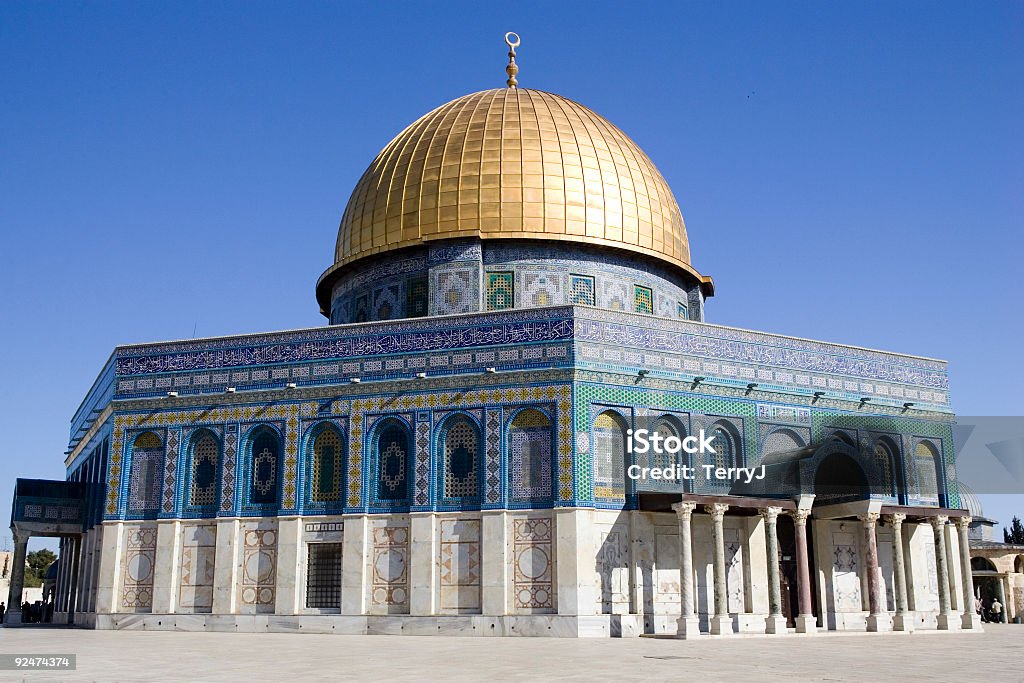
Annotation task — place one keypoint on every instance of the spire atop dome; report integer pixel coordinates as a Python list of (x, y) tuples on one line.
[(512, 40)]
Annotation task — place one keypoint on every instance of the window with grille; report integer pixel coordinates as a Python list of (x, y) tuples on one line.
[(529, 444), (500, 291), (884, 460), (581, 290), (323, 575), (146, 465), (392, 462), (416, 306), (722, 441), (925, 456), (327, 469), (204, 471), (609, 455), (264, 454), (643, 300), (461, 449)]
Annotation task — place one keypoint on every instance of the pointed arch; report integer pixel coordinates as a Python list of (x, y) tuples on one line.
[(264, 465), (666, 426), (928, 470), (203, 469), (728, 444), (885, 455), (393, 456), (326, 445), (529, 443), (609, 452), (147, 462), (782, 440), (844, 437), (460, 449)]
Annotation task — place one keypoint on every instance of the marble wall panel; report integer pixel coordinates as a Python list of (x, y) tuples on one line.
[(137, 569), (198, 553), (460, 566), (258, 574)]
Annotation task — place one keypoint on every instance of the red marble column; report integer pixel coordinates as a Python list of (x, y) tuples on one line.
[(878, 619), (806, 622)]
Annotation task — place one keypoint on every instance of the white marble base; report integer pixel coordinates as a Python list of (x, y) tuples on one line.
[(775, 624), (688, 627), (971, 621), (664, 624), (721, 626), (879, 623), (626, 625), (948, 622), (904, 622), (538, 625), (85, 620), (806, 623), (847, 621), (748, 622)]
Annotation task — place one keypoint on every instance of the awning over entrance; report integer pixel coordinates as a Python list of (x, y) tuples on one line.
[(44, 507)]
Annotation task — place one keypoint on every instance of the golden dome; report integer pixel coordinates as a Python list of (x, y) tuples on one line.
[(511, 163)]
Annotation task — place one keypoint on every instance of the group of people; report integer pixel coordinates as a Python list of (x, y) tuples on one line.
[(991, 611), (31, 613)]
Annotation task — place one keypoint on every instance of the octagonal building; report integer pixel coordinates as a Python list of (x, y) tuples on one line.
[(511, 293)]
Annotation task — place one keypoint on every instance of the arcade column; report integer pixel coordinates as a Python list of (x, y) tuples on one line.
[(13, 615)]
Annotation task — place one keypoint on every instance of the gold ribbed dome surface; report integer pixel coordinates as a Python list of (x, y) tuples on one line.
[(515, 164)]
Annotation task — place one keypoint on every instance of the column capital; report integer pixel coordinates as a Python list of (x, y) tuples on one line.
[(896, 519), (716, 510), (684, 509), (800, 516), (869, 519), (962, 522), (770, 513), (938, 521)]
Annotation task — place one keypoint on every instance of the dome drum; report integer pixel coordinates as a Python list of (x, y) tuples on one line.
[(468, 276)]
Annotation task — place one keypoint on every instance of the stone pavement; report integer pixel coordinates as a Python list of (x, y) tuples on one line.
[(169, 656)]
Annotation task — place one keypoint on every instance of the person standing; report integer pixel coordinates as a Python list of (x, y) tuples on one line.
[(997, 610)]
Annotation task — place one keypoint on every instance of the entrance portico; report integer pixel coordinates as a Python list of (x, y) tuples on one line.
[(852, 570), (721, 619), (43, 508)]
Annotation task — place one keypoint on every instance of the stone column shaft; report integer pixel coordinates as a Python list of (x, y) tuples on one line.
[(76, 553), (871, 546), (721, 624), (970, 619), (806, 622), (1004, 595), (688, 622), (878, 620), (903, 620), (14, 595), (775, 622), (945, 621)]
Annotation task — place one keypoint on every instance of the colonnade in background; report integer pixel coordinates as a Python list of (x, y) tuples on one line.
[(879, 618)]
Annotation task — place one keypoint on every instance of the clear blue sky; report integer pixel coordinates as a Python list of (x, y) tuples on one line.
[(848, 172)]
